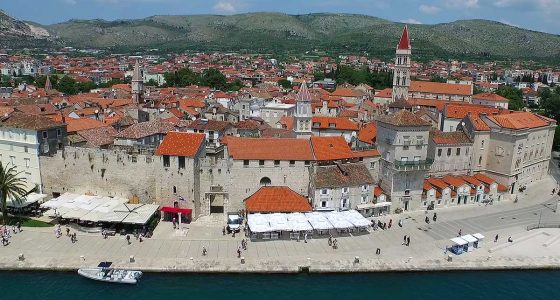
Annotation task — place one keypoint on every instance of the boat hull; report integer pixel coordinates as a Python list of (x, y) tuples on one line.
[(111, 275)]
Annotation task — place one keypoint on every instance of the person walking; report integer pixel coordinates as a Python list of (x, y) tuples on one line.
[(427, 220), (408, 241), (404, 240), (238, 252), (305, 238), (204, 251), (335, 244), (390, 223), (128, 239), (67, 231), (496, 239), (174, 223), (459, 232), (330, 240), (378, 251), (435, 217), (18, 224)]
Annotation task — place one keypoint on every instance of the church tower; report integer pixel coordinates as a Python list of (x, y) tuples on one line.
[(401, 75), (137, 84), (48, 84), (302, 116)]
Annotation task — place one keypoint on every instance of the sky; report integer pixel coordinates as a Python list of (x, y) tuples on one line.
[(540, 15)]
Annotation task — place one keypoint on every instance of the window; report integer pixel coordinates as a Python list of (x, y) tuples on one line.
[(365, 199), (324, 204), (261, 162), (439, 202), (458, 152), (292, 163), (25, 149), (306, 163), (58, 132), (345, 190), (480, 160), (276, 163), (482, 144), (27, 163), (439, 152), (45, 134), (181, 162), (448, 151), (134, 159), (174, 190), (166, 161), (246, 163), (344, 203), (265, 181), (365, 188), (324, 191), (372, 164), (425, 203)]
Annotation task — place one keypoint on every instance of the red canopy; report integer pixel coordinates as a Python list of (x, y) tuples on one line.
[(169, 209)]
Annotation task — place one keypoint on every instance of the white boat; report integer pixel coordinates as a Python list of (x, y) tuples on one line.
[(106, 274)]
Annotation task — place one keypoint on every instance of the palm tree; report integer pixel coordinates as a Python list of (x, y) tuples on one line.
[(11, 187)]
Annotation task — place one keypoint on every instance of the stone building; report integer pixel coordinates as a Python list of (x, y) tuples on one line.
[(401, 75), (402, 139), (450, 152), (26, 138)]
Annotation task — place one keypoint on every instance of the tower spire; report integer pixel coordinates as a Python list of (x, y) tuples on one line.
[(404, 43), (401, 74), (137, 84), (48, 84), (303, 112)]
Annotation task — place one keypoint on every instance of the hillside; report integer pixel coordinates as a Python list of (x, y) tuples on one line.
[(334, 33), (18, 34)]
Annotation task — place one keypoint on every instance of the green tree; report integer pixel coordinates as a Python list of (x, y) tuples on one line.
[(213, 78), (85, 87), (67, 85), (514, 95), (318, 76), (235, 86), (437, 78), (285, 83), (12, 186), (5, 80), (152, 82)]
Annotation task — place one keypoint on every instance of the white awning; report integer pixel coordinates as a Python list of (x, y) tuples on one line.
[(318, 221), (355, 218), (459, 241), (478, 236), (382, 204), (30, 199), (140, 214), (469, 238)]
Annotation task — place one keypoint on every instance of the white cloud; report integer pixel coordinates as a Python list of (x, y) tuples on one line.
[(225, 7), (461, 3), (411, 21), (429, 9)]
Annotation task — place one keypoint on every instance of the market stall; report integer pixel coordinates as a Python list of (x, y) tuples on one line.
[(479, 240), (458, 246), (319, 223), (470, 242), (339, 222)]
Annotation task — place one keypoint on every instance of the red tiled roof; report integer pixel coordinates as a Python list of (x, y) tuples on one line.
[(520, 120), (276, 199), (344, 92), (339, 123), (331, 148), (454, 180), (287, 122), (385, 93), (82, 124), (403, 118), (377, 191), (459, 111), (490, 97), (471, 180), (477, 122), (268, 148), (366, 153), (368, 133), (450, 138), (181, 144), (440, 88)]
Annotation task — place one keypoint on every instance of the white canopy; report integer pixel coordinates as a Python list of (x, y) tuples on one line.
[(29, 199), (107, 207), (459, 241), (318, 221), (337, 220), (469, 238), (478, 236), (355, 218), (57, 202), (139, 214), (278, 222), (298, 222), (258, 223)]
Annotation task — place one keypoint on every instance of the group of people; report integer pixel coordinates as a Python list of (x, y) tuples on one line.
[(73, 237), (384, 225), (7, 233), (433, 218)]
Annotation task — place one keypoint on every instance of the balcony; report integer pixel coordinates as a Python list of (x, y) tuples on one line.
[(413, 165)]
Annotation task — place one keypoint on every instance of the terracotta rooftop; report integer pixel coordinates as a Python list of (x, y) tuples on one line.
[(404, 42), (213, 125), (342, 175), (181, 144), (331, 148), (490, 97), (368, 133), (268, 148), (400, 103), (98, 136), (460, 110), (366, 153), (144, 129), (520, 120), (80, 124), (276, 199), (450, 138), (403, 118), (336, 123), (27, 121), (440, 88)]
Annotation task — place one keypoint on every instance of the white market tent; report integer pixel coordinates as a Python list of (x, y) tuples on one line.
[(29, 199), (107, 207), (278, 222), (81, 206), (338, 221), (459, 241), (258, 223), (355, 218), (140, 214), (57, 202), (298, 222), (470, 241), (318, 221)]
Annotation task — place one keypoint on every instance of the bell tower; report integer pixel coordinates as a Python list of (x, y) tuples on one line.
[(401, 75)]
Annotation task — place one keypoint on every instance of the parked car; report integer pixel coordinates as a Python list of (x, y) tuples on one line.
[(234, 222)]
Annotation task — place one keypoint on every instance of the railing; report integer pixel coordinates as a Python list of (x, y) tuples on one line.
[(543, 225), (413, 164)]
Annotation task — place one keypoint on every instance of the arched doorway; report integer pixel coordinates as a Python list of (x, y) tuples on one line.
[(265, 181)]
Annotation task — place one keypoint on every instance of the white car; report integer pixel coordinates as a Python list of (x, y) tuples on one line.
[(234, 223)]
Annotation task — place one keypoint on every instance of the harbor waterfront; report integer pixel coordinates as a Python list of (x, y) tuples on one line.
[(438, 285)]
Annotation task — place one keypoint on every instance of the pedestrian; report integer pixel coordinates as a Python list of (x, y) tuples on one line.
[(204, 251), (427, 220), (390, 223), (233, 235), (435, 217), (238, 252), (335, 244), (496, 239), (18, 224), (140, 239), (553, 191), (174, 223), (404, 240), (330, 240), (408, 241), (400, 223), (67, 231), (224, 231), (128, 239), (459, 232), (378, 251), (305, 238), (510, 240)]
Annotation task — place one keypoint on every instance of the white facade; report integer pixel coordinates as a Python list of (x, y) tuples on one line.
[(20, 148)]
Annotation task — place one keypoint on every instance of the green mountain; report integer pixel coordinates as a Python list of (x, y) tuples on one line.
[(15, 34), (333, 33)]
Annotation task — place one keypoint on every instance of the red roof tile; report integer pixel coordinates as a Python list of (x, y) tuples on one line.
[(440, 88), (368, 134), (404, 43), (268, 148), (490, 97), (331, 148), (276, 199), (520, 120), (181, 144), (336, 123)]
